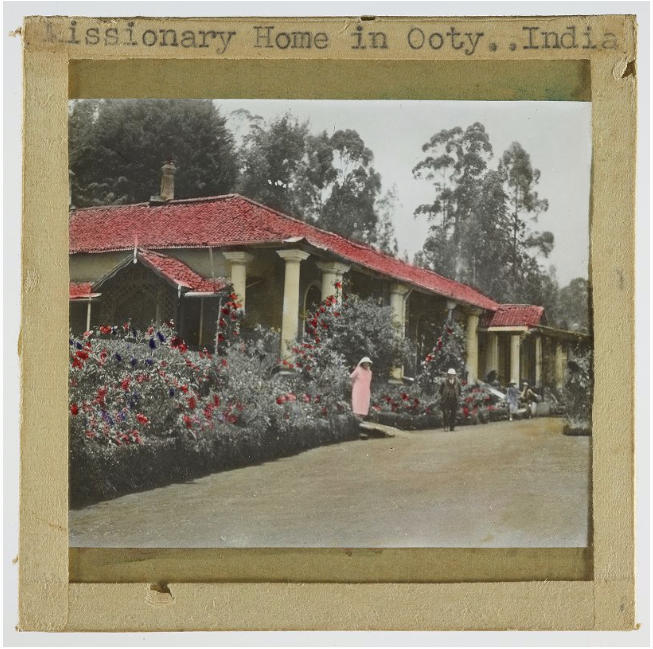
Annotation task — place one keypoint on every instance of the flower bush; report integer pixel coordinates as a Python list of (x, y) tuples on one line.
[(449, 352), (343, 329), (126, 385), (480, 406)]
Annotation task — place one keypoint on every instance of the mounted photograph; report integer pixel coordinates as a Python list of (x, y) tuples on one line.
[(330, 324)]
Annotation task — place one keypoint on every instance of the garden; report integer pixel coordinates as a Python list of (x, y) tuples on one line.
[(145, 410)]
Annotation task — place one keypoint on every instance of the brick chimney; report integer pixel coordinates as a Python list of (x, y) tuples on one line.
[(168, 181)]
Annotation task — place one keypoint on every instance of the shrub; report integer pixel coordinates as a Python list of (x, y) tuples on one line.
[(479, 405), (125, 385), (106, 471), (349, 327), (449, 352), (577, 393)]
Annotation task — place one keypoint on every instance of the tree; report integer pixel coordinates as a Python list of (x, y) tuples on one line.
[(480, 230), (520, 180), (349, 209), (574, 305), (386, 207), (327, 181), (486, 239), (455, 162), (277, 164), (117, 148)]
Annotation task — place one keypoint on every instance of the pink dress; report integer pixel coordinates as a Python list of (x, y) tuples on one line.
[(361, 380)]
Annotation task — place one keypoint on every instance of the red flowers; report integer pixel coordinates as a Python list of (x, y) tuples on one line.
[(142, 419), (124, 384), (74, 410), (192, 403), (105, 329)]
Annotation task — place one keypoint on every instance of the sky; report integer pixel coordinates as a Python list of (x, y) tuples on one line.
[(557, 135)]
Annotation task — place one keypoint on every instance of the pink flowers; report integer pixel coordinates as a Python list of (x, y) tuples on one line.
[(286, 398)]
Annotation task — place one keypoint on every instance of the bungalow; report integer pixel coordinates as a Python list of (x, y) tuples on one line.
[(178, 259)]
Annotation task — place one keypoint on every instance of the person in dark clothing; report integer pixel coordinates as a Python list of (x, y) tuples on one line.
[(450, 392)]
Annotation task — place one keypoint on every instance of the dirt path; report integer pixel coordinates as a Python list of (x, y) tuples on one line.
[(522, 484)]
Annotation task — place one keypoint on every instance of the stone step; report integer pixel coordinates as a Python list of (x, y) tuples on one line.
[(381, 430)]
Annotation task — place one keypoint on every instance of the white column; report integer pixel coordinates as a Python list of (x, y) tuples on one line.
[(398, 294), (201, 331), (559, 366), (88, 316), (515, 344), (332, 272), (472, 344), (238, 261), (290, 318), (538, 361), (492, 353), (451, 305)]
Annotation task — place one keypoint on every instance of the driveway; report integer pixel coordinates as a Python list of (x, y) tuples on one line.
[(519, 484)]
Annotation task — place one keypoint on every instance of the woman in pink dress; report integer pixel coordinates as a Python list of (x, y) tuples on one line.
[(361, 380)]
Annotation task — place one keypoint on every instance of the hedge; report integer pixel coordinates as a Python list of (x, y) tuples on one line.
[(102, 472)]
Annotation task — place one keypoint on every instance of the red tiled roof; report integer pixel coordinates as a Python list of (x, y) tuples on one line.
[(514, 315), (233, 220), (77, 291), (179, 273)]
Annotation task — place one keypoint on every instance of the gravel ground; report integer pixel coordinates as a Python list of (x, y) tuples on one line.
[(519, 484)]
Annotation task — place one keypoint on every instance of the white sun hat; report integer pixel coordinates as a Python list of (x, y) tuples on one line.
[(451, 371), (366, 360)]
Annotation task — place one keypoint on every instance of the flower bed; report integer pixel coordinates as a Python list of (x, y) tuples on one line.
[(146, 411), (413, 409)]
